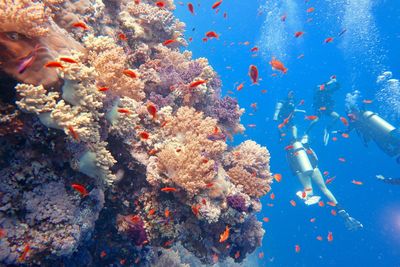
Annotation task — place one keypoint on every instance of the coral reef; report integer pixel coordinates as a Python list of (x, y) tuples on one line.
[(114, 143)]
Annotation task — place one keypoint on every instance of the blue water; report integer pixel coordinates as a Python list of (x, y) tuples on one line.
[(368, 47)]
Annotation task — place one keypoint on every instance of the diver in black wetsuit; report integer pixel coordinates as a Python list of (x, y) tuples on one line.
[(304, 164), (394, 181), (369, 126), (324, 105), (284, 113)]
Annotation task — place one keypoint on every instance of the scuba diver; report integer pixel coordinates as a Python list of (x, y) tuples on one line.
[(370, 126), (285, 112), (394, 181), (304, 164), (324, 104)]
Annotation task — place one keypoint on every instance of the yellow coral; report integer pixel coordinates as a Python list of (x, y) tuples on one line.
[(24, 16)]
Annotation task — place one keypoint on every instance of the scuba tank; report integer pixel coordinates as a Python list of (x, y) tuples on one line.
[(377, 123), (300, 159)]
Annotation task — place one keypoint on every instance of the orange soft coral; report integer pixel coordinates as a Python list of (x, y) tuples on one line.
[(187, 158)]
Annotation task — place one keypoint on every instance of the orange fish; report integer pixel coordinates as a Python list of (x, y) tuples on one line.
[(319, 238), (303, 194), (137, 2), (168, 243), (365, 101), (215, 258), (160, 4), (54, 64), (203, 201), (322, 87), (197, 83), (321, 204), (103, 254), (333, 212), (130, 73), (225, 235), (298, 34), (80, 25), (328, 40), (334, 139), (311, 117), (263, 91), (68, 60), (261, 255), (22, 258), (344, 121), (266, 219), (288, 147), (272, 196), (152, 211), (209, 185), (212, 34), (240, 87), (169, 41), (312, 220), (216, 4), (332, 204), (270, 205), (278, 177), (345, 135), (204, 39), (297, 248), (237, 254), (330, 237), (326, 173), (253, 73), (357, 182), (144, 135), (81, 189), (168, 189), (310, 10), (342, 159), (124, 111), (322, 108), (152, 110), (277, 65), (122, 37), (3, 233), (330, 180), (293, 203), (195, 209), (166, 213), (191, 8), (73, 133)]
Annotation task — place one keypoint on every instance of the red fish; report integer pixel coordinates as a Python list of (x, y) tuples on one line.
[(152, 212), (266, 219), (326, 173), (283, 18), (298, 34), (344, 121), (197, 83), (240, 87), (293, 203), (81, 189), (152, 110), (253, 73), (332, 204), (144, 135), (319, 238), (328, 40), (333, 212), (68, 60), (80, 25), (137, 2), (310, 10), (195, 209), (301, 102), (103, 254), (366, 101), (289, 147), (167, 212), (345, 135), (356, 182), (272, 196), (54, 64), (169, 41), (225, 15), (160, 4), (168, 189), (122, 37), (73, 133), (311, 118), (237, 254), (225, 235), (168, 243), (312, 220), (342, 159), (254, 49), (278, 177), (212, 34), (297, 248), (321, 204), (216, 4), (261, 255), (330, 237), (334, 139), (277, 65), (130, 73), (191, 8), (103, 89), (22, 258)]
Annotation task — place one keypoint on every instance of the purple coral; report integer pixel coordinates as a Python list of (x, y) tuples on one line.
[(226, 110), (133, 227), (237, 202)]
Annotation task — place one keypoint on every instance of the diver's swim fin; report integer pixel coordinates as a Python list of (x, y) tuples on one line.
[(308, 200), (350, 223)]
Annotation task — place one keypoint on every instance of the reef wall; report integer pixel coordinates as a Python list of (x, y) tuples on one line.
[(113, 141)]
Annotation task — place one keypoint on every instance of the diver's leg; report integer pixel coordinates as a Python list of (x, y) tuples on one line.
[(319, 180), (334, 118), (311, 125)]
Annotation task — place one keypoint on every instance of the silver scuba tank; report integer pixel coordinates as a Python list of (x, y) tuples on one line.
[(300, 158), (379, 125)]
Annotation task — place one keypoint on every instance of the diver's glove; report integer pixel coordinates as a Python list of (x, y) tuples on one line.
[(350, 223)]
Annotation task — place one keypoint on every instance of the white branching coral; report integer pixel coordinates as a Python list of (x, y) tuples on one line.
[(35, 99), (24, 16)]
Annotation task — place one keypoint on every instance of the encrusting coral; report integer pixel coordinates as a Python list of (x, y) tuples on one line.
[(118, 147)]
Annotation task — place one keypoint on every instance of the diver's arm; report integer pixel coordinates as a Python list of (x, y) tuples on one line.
[(299, 110), (278, 108), (394, 181)]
